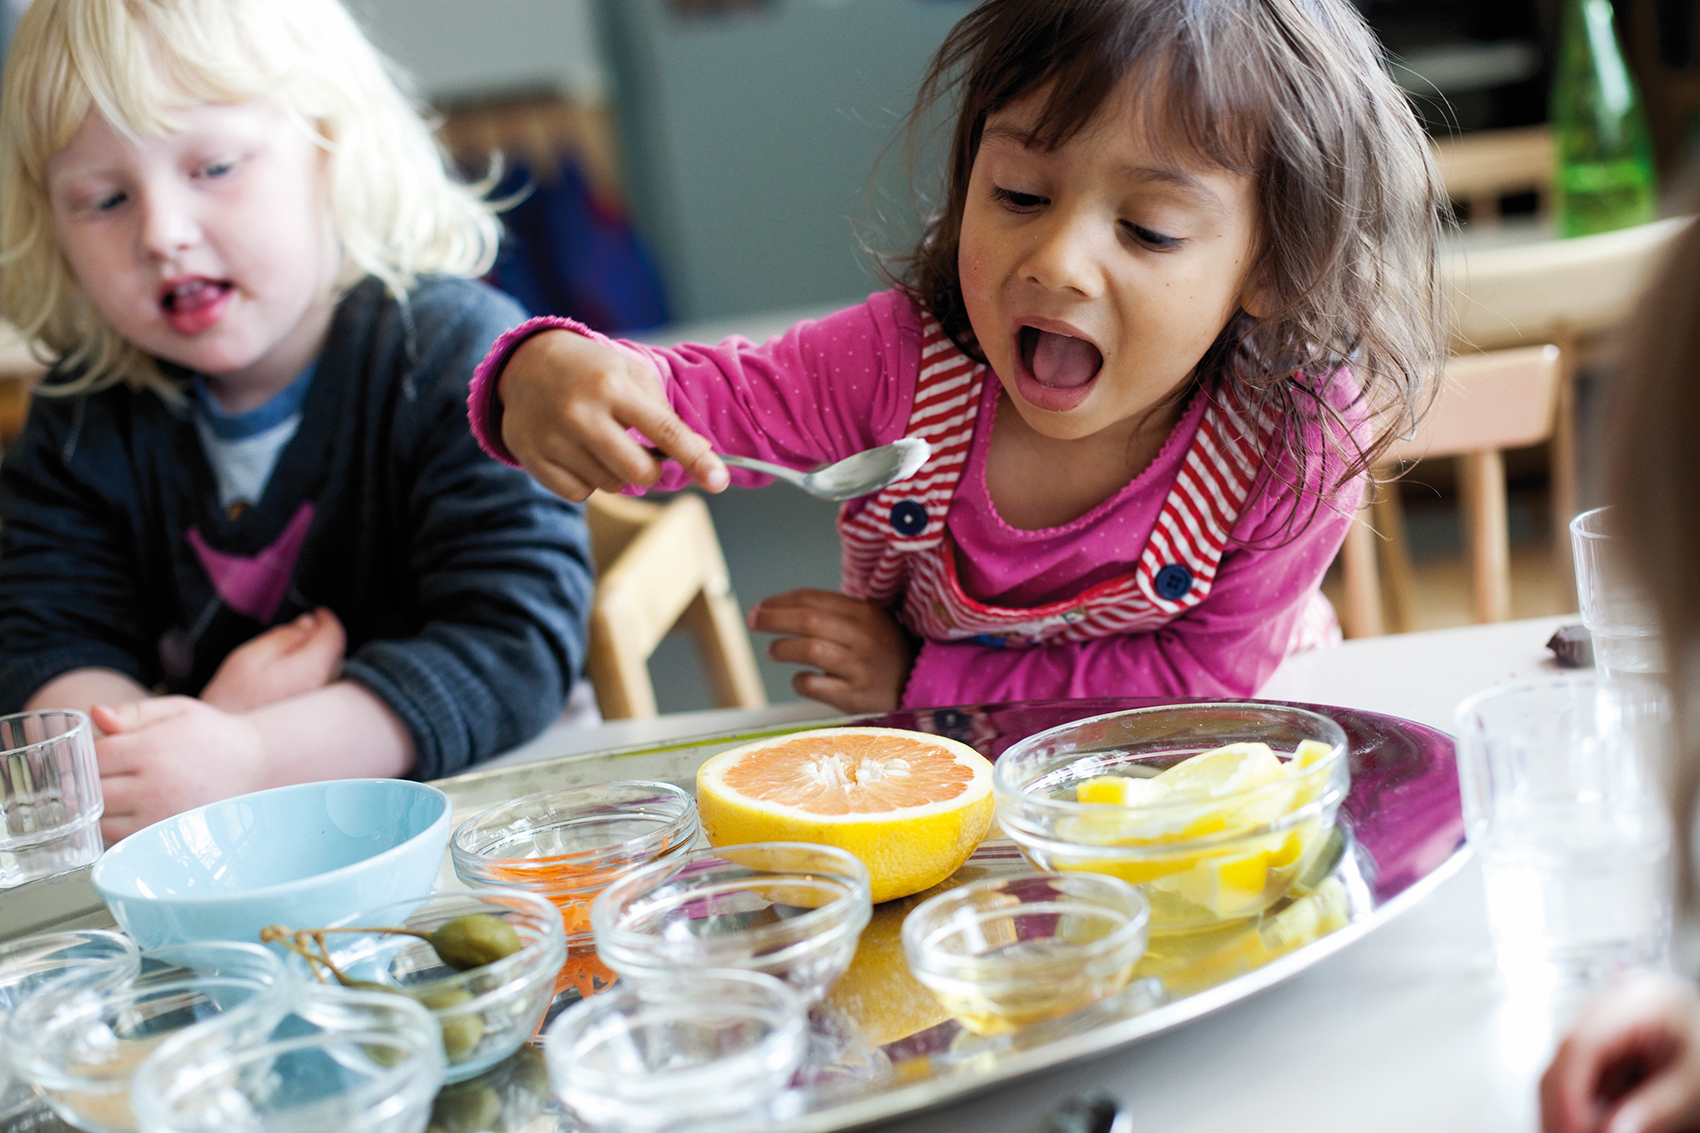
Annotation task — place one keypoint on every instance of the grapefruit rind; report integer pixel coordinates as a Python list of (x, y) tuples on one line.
[(906, 849)]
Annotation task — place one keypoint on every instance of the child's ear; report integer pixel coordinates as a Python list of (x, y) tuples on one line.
[(1257, 299)]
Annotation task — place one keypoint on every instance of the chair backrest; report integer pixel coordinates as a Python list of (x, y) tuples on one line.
[(1487, 403), (660, 565), (1498, 400), (1481, 167)]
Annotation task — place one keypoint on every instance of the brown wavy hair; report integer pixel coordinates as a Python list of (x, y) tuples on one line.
[(1653, 418), (1295, 95)]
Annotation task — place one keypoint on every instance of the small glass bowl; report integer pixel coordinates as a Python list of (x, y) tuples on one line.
[(1202, 862), (80, 1039), (31, 964), (683, 1050), (567, 845), (50, 798), (339, 1059), (483, 1014), (1005, 952), (790, 909)]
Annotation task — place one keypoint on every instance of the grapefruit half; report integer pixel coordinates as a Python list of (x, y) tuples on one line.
[(911, 806)]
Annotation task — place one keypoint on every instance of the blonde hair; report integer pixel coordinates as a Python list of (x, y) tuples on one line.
[(396, 211)]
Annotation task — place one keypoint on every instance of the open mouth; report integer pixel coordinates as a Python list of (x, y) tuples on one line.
[(1058, 361), (194, 296)]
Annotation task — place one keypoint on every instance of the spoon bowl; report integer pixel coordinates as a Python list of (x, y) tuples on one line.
[(855, 475)]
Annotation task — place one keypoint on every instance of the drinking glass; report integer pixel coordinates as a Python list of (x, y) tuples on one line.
[(1619, 615), (50, 800), (1563, 810)]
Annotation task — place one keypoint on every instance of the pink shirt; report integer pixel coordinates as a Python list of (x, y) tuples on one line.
[(828, 388)]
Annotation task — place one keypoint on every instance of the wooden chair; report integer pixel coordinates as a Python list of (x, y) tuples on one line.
[(660, 565), (19, 371), (1488, 403), (1481, 168)]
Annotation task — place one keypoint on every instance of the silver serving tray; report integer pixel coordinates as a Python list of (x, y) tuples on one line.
[(1400, 833)]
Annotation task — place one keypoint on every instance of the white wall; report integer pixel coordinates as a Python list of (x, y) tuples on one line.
[(460, 49)]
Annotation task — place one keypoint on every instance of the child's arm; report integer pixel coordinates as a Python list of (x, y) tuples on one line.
[(80, 688), (341, 731), (496, 572), (560, 402)]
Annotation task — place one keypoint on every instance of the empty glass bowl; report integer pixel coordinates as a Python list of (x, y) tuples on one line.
[(700, 1050), (338, 1060), (567, 845), (80, 1039), (484, 1013), (50, 800), (31, 964), (1206, 858), (1005, 952), (789, 909)]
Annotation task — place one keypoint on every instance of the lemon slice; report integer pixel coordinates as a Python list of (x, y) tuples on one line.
[(1121, 790)]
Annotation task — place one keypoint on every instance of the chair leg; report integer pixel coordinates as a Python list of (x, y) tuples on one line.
[(624, 690), (1389, 515), (1562, 460), (1363, 582), (723, 644), (1481, 488)]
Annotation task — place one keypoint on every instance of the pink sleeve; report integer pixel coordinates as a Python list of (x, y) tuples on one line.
[(483, 407), (1229, 645), (822, 390)]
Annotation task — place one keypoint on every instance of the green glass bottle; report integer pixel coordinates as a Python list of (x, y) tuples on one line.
[(1604, 153)]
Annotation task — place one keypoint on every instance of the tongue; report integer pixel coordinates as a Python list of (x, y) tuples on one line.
[(193, 299), (1062, 362)]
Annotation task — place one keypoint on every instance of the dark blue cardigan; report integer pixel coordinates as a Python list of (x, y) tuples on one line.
[(464, 588)]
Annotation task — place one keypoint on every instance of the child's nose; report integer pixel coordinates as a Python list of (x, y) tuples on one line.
[(1063, 256), (168, 224)]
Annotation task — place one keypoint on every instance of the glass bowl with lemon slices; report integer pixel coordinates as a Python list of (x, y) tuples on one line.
[(1213, 809)]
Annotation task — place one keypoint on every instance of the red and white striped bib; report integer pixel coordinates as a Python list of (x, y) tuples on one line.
[(897, 544)]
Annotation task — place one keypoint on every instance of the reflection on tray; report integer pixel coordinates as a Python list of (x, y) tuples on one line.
[(881, 1045), (879, 1029)]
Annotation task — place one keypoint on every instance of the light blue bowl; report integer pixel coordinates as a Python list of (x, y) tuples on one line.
[(301, 856)]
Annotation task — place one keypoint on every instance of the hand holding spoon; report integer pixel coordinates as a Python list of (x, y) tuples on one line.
[(855, 475)]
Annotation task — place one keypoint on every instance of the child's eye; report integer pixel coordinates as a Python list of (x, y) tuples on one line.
[(215, 169), (1018, 201), (109, 201), (1154, 240)]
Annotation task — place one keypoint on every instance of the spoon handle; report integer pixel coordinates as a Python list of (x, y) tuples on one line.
[(792, 475)]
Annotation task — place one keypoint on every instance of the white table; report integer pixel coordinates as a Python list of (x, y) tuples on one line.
[(1408, 1029)]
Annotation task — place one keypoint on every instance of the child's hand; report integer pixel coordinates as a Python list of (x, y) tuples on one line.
[(162, 756), (567, 402), (861, 652), (285, 661), (1631, 1063)]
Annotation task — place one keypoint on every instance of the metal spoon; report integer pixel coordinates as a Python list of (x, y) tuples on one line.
[(855, 475)]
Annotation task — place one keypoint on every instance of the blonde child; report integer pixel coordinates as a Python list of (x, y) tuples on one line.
[(1180, 292), (246, 483)]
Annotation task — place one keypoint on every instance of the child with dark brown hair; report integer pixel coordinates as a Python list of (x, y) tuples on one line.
[(1181, 293)]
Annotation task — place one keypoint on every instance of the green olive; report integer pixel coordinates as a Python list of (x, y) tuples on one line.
[(473, 940), (472, 1107), (462, 1032)]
